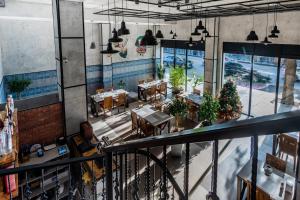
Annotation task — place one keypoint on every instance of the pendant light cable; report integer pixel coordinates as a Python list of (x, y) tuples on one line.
[(148, 14), (109, 19)]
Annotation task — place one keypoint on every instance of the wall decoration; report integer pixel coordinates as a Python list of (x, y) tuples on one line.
[(140, 48), (2, 3), (122, 48)]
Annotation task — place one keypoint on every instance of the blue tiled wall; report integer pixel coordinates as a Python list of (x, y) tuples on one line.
[(45, 82)]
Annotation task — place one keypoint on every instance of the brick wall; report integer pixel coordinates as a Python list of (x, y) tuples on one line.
[(41, 125)]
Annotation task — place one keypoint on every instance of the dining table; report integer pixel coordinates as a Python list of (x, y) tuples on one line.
[(195, 98), (156, 118), (96, 99), (270, 184), (146, 85)]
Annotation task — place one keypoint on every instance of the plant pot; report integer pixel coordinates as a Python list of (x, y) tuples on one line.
[(176, 90)]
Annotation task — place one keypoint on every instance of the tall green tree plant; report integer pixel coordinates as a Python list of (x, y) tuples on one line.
[(178, 109), (208, 112), (160, 72), (177, 78)]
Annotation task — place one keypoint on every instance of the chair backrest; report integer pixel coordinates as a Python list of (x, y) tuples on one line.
[(151, 91), (134, 120), (196, 91), (99, 90), (288, 144), (141, 82), (275, 162), (260, 194), (162, 87), (121, 99), (146, 128), (108, 102), (149, 79)]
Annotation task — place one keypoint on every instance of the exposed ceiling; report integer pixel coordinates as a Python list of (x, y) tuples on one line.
[(171, 10)]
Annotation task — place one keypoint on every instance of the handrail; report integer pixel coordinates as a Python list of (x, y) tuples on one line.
[(265, 125)]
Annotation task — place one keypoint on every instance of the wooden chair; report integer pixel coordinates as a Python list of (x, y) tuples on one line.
[(134, 122), (120, 101), (162, 89), (110, 88), (107, 104), (260, 194), (275, 162), (196, 91), (151, 93), (192, 109), (146, 128), (149, 80), (141, 82), (289, 146), (99, 90)]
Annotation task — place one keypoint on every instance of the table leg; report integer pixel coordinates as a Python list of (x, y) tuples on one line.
[(169, 126), (139, 93)]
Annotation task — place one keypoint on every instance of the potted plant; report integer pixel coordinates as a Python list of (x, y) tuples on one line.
[(230, 104), (196, 80), (208, 112), (160, 72), (17, 86), (178, 109), (177, 79), (122, 84)]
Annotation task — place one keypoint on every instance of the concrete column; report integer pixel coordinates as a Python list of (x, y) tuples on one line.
[(289, 82), (68, 20), (211, 57)]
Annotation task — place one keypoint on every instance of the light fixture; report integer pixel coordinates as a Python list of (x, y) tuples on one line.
[(175, 35), (136, 1), (93, 44), (115, 38), (200, 25), (178, 6), (207, 35), (190, 43), (171, 32), (159, 34), (123, 30), (109, 49), (159, 3), (273, 35), (275, 28), (204, 30), (195, 33), (202, 40), (252, 35), (148, 39), (266, 41)]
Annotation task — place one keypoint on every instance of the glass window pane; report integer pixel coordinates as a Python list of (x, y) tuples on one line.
[(195, 70)]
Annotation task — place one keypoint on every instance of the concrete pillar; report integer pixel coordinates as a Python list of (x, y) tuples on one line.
[(68, 20), (211, 57), (289, 82)]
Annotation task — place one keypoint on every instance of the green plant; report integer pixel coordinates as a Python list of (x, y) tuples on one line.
[(196, 80), (177, 78), (122, 84), (18, 85), (230, 104), (209, 108), (160, 72), (178, 109)]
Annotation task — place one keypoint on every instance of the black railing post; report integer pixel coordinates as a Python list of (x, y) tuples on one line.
[(121, 176), (109, 176), (186, 170), (215, 166), (165, 192), (254, 166)]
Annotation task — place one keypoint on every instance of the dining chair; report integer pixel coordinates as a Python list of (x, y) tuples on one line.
[(192, 109), (110, 89), (107, 104), (149, 80), (260, 194), (275, 162), (120, 101), (162, 89), (141, 82), (151, 93), (99, 90), (289, 146), (196, 91), (146, 128), (134, 122)]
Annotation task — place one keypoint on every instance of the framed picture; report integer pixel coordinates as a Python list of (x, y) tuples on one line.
[(2, 3)]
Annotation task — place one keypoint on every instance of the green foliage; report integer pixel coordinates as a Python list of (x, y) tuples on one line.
[(196, 80), (18, 85), (160, 72), (177, 77), (122, 84), (177, 107), (230, 104), (208, 111)]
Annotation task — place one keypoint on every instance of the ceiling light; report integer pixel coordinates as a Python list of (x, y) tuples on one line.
[(252, 36), (195, 33), (191, 43), (109, 49), (93, 45), (178, 6), (275, 30), (207, 35), (171, 32), (266, 41), (200, 26), (202, 40), (148, 39), (123, 30), (205, 31), (159, 3), (174, 37), (273, 35), (115, 38), (175, 34), (159, 34)]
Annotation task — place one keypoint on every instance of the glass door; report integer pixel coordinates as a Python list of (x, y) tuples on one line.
[(168, 61), (195, 70)]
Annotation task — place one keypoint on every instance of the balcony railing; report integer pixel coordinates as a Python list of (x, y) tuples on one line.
[(138, 169)]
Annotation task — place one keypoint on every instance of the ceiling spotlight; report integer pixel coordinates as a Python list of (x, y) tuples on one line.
[(109, 49), (195, 33), (159, 34), (115, 38), (205, 31), (266, 41)]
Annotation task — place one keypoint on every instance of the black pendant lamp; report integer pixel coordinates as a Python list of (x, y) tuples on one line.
[(159, 34), (190, 43), (195, 33), (252, 35), (207, 35), (266, 41), (109, 49), (202, 40), (93, 44), (148, 39), (273, 35), (115, 38), (275, 28), (123, 30), (174, 37), (200, 26)]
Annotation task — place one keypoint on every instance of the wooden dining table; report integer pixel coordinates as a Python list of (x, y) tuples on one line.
[(269, 184), (156, 118), (146, 85), (98, 98), (195, 98)]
